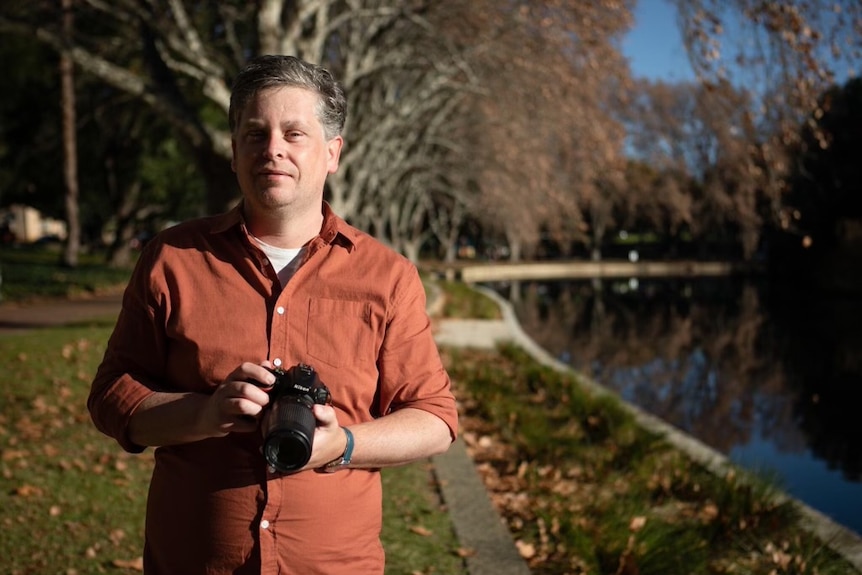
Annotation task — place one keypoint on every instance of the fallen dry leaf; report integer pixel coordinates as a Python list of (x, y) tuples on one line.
[(136, 564), (10, 454), (527, 550), (419, 530), (28, 491), (709, 512), (637, 523)]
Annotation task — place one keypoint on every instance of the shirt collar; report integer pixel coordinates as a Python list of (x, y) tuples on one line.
[(334, 229)]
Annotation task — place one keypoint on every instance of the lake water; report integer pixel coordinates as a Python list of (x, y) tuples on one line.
[(771, 378)]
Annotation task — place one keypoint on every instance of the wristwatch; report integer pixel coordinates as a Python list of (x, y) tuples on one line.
[(343, 461)]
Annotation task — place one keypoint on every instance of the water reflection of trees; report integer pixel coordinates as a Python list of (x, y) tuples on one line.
[(708, 357), (821, 342)]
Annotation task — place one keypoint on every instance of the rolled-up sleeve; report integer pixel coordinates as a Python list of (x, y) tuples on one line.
[(133, 361), (411, 371)]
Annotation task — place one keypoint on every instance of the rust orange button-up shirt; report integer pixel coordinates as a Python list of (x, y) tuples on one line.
[(202, 300)]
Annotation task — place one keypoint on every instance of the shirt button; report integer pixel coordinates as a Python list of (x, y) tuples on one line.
[(279, 310), (276, 362), (264, 524)]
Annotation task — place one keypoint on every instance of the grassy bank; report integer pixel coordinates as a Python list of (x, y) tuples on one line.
[(460, 301), (585, 490)]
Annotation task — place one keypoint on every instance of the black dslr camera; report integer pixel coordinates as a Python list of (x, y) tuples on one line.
[(288, 430)]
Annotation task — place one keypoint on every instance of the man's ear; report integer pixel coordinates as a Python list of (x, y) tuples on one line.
[(333, 148)]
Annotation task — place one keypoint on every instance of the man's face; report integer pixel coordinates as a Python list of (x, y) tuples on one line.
[(280, 153)]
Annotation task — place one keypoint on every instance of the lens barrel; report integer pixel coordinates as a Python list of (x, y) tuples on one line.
[(288, 441)]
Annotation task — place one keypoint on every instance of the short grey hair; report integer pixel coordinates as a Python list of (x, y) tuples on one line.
[(277, 71)]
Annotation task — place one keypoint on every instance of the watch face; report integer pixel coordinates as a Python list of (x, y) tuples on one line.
[(336, 465)]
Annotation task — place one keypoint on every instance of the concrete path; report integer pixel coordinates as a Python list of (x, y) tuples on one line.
[(484, 334), (478, 526), (19, 318)]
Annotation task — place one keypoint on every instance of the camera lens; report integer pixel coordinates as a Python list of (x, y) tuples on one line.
[(288, 443)]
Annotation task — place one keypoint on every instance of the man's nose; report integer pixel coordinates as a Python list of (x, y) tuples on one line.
[(275, 146)]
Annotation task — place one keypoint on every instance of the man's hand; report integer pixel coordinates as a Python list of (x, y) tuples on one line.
[(173, 418), (330, 440), (236, 404)]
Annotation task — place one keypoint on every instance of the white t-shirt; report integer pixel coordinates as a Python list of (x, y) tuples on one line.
[(284, 261)]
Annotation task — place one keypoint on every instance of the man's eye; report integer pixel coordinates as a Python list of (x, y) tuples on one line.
[(255, 135)]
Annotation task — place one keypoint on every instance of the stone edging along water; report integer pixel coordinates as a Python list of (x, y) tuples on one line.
[(842, 540)]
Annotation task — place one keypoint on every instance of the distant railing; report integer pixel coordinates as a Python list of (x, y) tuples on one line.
[(501, 271)]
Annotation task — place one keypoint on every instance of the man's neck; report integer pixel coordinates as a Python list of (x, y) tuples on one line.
[(284, 230)]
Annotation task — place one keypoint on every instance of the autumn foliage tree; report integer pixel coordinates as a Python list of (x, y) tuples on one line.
[(781, 56), (543, 135), (508, 114)]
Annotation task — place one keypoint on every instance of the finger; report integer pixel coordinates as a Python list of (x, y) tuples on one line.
[(240, 415), (260, 374), (253, 393), (244, 407), (252, 373), (235, 391)]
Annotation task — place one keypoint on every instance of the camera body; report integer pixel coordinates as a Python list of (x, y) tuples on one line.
[(288, 427)]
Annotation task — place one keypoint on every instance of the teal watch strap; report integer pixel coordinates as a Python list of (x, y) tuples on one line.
[(348, 449), (343, 461)]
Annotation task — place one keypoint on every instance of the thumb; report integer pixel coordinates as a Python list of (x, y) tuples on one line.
[(325, 415)]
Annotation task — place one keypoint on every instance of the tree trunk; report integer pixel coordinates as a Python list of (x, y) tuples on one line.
[(70, 145), (120, 251), (450, 252), (410, 249)]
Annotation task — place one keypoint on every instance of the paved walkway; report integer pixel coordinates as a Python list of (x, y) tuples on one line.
[(19, 318), (474, 517)]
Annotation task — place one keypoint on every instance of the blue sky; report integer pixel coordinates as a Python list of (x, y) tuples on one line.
[(654, 45)]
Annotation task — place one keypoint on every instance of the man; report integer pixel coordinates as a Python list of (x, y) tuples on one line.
[(277, 282)]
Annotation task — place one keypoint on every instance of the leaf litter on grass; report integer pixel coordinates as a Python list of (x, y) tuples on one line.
[(591, 493), (72, 502)]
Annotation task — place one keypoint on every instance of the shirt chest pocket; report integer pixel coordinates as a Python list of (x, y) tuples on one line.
[(341, 332)]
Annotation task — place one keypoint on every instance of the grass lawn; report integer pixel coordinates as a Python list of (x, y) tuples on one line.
[(33, 272)]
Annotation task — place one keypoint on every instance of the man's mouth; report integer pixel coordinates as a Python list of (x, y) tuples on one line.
[(272, 173)]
